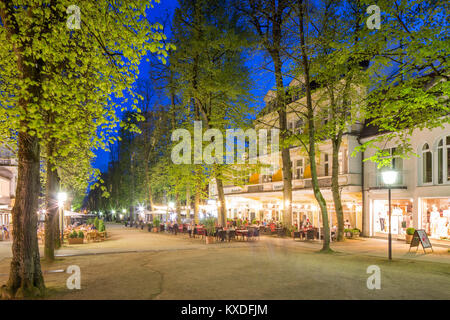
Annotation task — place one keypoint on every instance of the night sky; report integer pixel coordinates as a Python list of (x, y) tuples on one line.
[(263, 80)]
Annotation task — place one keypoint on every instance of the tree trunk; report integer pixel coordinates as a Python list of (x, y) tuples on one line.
[(196, 205), (222, 211), (335, 190), (312, 136), (150, 197), (188, 202), (282, 116), (51, 206), (25, 276), (178, 204)]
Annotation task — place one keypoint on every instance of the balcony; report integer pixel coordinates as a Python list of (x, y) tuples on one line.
[(374, 180), (324, 182)]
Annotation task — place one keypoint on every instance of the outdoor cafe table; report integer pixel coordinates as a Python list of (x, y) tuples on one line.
[(242, 232)]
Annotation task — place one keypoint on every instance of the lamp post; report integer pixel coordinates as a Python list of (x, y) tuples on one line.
[(389, 178), (62, 197)]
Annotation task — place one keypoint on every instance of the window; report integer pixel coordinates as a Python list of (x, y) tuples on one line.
[(443, 154), (326, 164), (427, 167), (396, 164), (297, 171), (448, 157), (299, 126), (440, 153), (291, 126)]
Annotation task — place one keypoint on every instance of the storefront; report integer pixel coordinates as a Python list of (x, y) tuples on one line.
[(401, 216), (435, 213)]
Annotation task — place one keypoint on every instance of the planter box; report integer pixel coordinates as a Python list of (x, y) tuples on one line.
[(209, 240), (408, 238), (155, 229), (75, 240)]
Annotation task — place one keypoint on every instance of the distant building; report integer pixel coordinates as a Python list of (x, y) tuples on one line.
[(8, 180)]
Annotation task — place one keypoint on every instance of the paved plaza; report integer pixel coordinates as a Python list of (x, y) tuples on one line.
[(136, 264)]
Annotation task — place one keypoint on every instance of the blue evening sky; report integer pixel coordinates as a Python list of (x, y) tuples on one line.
[(263, 80)]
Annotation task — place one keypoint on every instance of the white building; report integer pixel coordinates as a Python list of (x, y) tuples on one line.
[(420, 199), (421, 196)]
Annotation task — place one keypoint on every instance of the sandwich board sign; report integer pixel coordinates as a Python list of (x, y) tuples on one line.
[(421, 237)]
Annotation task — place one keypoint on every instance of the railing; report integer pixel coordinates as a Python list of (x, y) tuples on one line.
[(375, 180), (324, 182)]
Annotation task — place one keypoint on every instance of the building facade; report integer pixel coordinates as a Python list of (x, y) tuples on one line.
[(8, 180), (420, 198)]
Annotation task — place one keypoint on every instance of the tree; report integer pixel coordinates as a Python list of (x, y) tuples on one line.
[(71, 73), (269, 19), (306, 64), (211, 76), (409, 72), (341, 74)]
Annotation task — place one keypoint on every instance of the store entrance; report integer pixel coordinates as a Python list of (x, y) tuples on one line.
[(401, 216)]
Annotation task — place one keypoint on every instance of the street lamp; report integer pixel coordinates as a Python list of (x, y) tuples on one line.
[(62, 197), (389, 178)]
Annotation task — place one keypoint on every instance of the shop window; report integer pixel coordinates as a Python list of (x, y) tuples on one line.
[(436, 217), (427, 166), (401, 216)]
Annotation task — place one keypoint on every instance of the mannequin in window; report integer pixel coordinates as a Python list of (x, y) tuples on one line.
[(434, 219), (442, 225)]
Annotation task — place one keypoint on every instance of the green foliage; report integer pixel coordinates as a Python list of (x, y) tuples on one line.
[(254, 221), (156, 222), (80, 234), (413, 45), (73, 234), (355, 231), (96, 223), (410, 231), (66, 86), (101, 226), (210, 225)]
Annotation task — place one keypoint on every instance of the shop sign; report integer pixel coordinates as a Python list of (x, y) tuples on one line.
[(277, 186), (421, 237)]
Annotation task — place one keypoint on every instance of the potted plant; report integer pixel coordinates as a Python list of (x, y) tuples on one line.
[(409, 234), (74, 239), (210, 227), (149, 227), (355, 233), (156, 224), (96, 223), (348, 233)]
